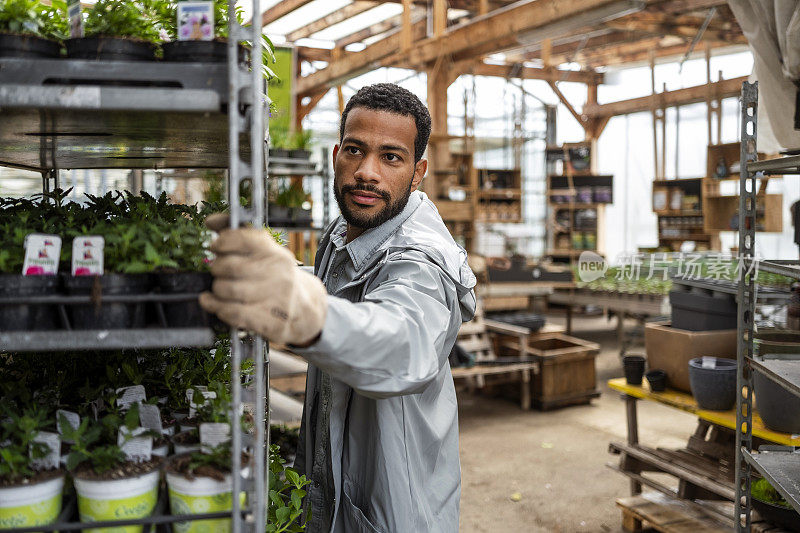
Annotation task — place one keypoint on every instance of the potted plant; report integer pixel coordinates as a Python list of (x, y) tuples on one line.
[(30, 492), (116, 30), (279, 145), (22, 25), (109, 485), (183, 46), (301, 142), (18, 219), (296, 201)]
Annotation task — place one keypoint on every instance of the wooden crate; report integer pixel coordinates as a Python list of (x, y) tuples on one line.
[(566, 373)]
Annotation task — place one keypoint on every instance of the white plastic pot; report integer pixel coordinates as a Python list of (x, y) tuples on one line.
[(198, 496), (31, 505), (117, 499)]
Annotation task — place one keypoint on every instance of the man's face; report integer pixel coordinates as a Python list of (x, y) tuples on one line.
[(374, 167)]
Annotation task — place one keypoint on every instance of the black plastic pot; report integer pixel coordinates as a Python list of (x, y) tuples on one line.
[(633, 365), (777, 515), (110, 49), (14, 45), (531, 321), (779, 408), (657, 379), (699, 306), (279, 152), (106, 315), (186, 314), (199, 51), (18, 317), (713, 388), (279, 216), (300, 217), (300, 154)]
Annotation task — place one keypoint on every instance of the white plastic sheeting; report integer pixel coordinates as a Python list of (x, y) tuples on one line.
[(772, 28)]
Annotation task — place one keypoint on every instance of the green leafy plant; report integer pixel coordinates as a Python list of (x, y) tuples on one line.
[(53, 20), (17, 433), (20, 16), (301, 140), (291, 196), (762, 490), (287, 490), (121, 18)]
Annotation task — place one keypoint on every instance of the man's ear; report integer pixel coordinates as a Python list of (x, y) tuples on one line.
[(335, 151), (419, 172)]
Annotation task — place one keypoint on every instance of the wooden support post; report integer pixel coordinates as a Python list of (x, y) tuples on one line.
[(483, 7), (406, 39), (547, 53), (655, 115), (566, 103), (709, 109), (719, 113), (438, 148), (340, 98), (633, 436), (439, 17), (663, 136)]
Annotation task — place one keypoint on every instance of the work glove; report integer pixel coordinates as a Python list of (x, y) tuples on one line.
[(258, 287)]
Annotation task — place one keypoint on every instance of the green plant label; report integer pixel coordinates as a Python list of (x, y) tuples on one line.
[(87, 256), (75, 19), (195, 21), (53, 443), (92, 510), (184, 504), (35, 514), (42, 253)]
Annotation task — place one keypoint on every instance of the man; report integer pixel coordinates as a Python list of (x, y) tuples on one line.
[(379, 436)]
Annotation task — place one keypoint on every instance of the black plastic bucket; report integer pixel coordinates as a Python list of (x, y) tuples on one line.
[(197, 51), (106, 315), (110, 49), (189, 313), (633, 365), (23, 317), (27, 46)]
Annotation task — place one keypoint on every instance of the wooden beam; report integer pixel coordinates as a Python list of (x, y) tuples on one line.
[(581, 119), (511, 20), (340, 15), (683, 6), (281, 9), (532, 73), (689, 95), (310, 53), (305, 109), (405, 31), (439, 17), (483, 7)]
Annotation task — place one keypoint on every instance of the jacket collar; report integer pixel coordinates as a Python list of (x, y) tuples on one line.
[(365, 245)]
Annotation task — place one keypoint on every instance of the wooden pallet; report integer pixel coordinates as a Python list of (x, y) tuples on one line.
[(668, 515)]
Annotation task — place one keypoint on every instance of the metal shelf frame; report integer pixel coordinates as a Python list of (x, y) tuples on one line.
[(781, 469), (235, 91)]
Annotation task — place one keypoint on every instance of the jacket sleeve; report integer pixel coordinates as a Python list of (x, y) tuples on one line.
[(396, 340)]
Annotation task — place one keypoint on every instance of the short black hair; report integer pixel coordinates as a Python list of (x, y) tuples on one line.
[(394, 99)]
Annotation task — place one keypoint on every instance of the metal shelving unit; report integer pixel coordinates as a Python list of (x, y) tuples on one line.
[(107, 114), (779, 465)]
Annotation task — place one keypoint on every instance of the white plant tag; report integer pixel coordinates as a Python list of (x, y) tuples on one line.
[(73, 419), (207, 395), (128, 396), (75, 19), (150, 417), (53, 457), (195, 21), (213, 434), (135, 447), (709, 362), (42, 254), (87, 256)]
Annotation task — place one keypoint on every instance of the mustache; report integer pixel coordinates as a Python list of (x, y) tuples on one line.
[(366, 187)]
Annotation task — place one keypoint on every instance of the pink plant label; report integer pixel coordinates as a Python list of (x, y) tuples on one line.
[(42, 254), (195, 21), (87, 256)]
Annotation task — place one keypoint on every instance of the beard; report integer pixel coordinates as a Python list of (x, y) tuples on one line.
[(390, 210)]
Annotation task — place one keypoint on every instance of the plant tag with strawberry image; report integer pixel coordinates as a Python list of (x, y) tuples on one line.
[(212, 434), (42, 254), (53, 453), (87, 255), (75, 19), (134, 445), (130, 395), (195, 21), (150, 417)]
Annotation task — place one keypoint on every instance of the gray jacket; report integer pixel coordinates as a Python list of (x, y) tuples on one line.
[(379, 436)]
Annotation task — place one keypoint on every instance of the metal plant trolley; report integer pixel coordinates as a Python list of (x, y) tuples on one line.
[(66, 113), (779, 465)]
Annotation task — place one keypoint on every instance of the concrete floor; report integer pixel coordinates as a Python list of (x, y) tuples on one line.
[(555, 461)]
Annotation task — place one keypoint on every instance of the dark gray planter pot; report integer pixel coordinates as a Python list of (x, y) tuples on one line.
[(779, 408), (713, 388)]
